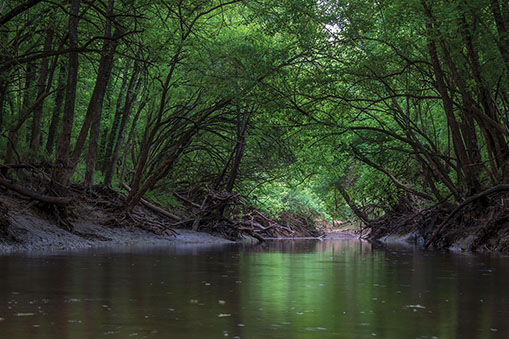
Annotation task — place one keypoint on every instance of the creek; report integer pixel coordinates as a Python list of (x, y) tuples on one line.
[(280, 289)]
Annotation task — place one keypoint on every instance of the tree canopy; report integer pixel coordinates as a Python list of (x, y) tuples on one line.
[(342, 109)]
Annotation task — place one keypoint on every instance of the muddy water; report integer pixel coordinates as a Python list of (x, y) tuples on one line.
[(301, 289)]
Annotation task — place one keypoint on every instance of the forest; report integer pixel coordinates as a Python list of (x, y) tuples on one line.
[(261, 117)]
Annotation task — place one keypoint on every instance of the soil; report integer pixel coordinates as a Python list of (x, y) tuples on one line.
[(24, 228), (481, 226)]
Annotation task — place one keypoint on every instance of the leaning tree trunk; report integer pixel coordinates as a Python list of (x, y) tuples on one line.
[(35, 139), (59, 176), (93, 115), (3, 80), (24, 110), (242, 121), (464, 165), (108, 141), (55, 117), (132, 93)]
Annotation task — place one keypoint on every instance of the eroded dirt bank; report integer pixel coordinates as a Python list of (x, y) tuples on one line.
[(98, 218), (25, 229), (479, 225)]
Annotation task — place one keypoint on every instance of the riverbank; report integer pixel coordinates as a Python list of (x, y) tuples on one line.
[(32, 219), (25, 228), (478, 225)]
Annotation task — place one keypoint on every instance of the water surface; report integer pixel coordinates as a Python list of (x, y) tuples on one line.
[(282, 289)]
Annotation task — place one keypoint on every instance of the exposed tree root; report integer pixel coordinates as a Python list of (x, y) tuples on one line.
[(482, 227), (489, 191), (209, 217), (218, 212), (34, 195)]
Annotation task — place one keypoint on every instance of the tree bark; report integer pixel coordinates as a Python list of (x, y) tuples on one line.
[(136, 194), (4, 84), (132, 93), (95, 106), (241, 144), (110, 143), (55, 117), (35, 140), (34, 195), (502, 24), (59, 176), (464, 164), (355, 209)]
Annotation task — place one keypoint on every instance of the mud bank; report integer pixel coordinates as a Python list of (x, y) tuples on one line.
[(27, 230), (482, 227)]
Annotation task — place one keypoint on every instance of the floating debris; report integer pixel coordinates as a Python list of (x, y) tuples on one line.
[(223, 315)]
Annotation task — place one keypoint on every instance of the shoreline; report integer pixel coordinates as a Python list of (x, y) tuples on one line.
[(426, 230), (30, 232)]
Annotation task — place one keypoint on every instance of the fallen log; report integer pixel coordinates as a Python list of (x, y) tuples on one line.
[(34, 195)]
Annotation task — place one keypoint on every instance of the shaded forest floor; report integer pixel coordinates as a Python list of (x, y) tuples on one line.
[(481, 225)]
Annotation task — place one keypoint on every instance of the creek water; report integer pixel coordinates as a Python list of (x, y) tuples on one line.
[(280, 289)]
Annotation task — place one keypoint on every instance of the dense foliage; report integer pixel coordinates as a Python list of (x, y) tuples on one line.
[(337, 108)]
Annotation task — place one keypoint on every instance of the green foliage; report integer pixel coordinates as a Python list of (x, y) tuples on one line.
[(337, 94)]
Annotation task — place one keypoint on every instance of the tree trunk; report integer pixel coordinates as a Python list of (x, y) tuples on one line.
[(35, 140), (136, 194), (355, 209), (94, 111), (59, 176), (4, 84), (114, 125), (55, 117), (23, 110), (18, 10), (3, 92), (130, 139), (464, 165), (502, 23), (241, 144), (132, 93)]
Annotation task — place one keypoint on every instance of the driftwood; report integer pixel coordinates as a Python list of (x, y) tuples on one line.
[(34, 195)]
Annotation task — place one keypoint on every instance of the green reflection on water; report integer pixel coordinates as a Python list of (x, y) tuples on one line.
[(301, 289)]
